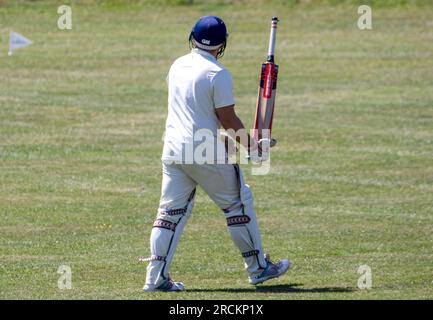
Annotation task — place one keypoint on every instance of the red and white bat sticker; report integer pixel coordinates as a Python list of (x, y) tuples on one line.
[(268, 83)]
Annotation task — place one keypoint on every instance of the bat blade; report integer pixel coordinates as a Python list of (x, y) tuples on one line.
[(265, 101)]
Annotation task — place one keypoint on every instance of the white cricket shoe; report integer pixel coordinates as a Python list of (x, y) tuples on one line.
[(167, 285), (272, 270)]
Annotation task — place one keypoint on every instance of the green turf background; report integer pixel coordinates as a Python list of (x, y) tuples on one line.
[(82, 114)]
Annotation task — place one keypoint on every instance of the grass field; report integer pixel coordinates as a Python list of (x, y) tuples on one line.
[(81, 118)]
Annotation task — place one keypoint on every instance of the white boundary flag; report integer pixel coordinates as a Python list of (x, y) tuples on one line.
[(16, 41)]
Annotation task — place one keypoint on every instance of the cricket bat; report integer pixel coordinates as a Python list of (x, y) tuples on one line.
[(267, 90)]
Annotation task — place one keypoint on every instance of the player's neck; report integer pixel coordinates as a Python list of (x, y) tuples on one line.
[(214, 53)]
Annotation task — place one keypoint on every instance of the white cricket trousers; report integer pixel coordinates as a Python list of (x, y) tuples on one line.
[(225, 185)]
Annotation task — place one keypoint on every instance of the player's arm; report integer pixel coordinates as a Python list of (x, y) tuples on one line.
[(230, 120)]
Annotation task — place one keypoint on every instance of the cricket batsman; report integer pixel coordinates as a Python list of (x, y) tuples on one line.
[(200, 99)]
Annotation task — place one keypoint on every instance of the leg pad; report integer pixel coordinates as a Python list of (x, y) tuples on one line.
[(235, 220), (160, 223), (250, 253)]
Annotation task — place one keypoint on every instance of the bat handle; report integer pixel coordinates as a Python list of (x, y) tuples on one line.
[(272, 39)]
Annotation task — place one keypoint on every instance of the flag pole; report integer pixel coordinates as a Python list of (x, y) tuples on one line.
[(10, 43)]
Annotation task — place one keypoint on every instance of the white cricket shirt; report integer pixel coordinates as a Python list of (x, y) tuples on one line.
[(197, 85)]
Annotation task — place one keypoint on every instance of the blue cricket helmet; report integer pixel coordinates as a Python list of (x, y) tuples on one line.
[(209, 33)]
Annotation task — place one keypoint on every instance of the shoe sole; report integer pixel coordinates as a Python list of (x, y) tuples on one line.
[(159, 290), (148, 289), (274, 276)]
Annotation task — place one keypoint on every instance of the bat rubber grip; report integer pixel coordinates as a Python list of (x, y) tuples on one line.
[(272, 37)]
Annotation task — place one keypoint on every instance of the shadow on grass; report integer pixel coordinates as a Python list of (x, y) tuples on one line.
[(279, 288)]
